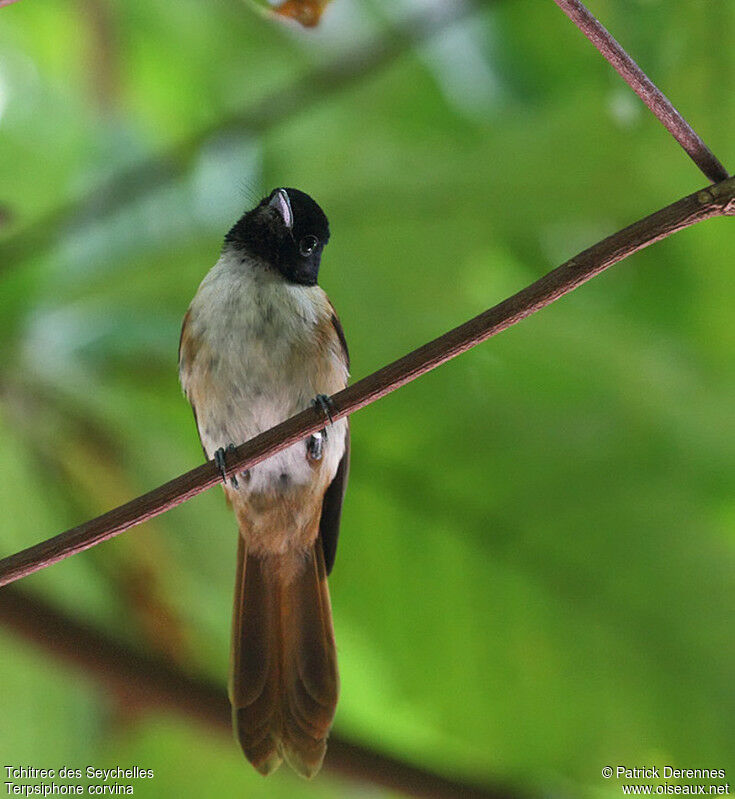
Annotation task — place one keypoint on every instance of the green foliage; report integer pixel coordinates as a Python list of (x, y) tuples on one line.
[(535, 575)]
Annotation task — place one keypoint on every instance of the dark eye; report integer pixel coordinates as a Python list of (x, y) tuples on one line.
[(308, 244)]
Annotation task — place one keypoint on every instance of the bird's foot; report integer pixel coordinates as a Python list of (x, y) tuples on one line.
[(324, 403), (221, 463)]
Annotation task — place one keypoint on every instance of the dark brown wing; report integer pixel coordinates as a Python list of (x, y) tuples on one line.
[(340, 335), (332, 507), (188, 347)]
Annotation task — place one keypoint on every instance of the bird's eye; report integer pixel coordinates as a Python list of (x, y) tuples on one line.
[(308, 244)]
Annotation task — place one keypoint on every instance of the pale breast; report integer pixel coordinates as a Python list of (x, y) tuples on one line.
[(255, 350)]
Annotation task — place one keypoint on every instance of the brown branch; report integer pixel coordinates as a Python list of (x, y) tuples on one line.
[(637, 79), (147, 682), (7, 2), (304, 93), (102, 58), (717, 200)]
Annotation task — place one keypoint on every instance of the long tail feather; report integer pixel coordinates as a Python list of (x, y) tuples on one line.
[(284, 680)]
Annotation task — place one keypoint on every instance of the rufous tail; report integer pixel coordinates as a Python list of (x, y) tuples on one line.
[(283, 682)]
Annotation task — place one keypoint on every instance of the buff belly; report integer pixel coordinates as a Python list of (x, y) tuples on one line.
[(254, 352)]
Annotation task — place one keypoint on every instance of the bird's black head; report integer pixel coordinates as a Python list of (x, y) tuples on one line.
[(288, 231)]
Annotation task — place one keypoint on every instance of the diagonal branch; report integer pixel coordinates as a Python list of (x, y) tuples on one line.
[(151, 683), (717, 200), (637, 79), (314, 86)]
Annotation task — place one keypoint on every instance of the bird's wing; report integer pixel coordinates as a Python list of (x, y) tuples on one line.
[(332, 507)]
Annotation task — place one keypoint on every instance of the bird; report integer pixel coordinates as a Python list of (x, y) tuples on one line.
[(260, 342)]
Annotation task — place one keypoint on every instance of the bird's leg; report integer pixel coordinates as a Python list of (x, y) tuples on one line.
[(220, 461), (315, 446), (315, 443)]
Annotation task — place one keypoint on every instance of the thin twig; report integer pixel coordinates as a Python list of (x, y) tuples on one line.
[(304, 93), (717, 200), (637, 79), (147, 682), (97, 21)]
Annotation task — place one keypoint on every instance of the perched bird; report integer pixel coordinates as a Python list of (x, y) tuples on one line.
[(259, 343)]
